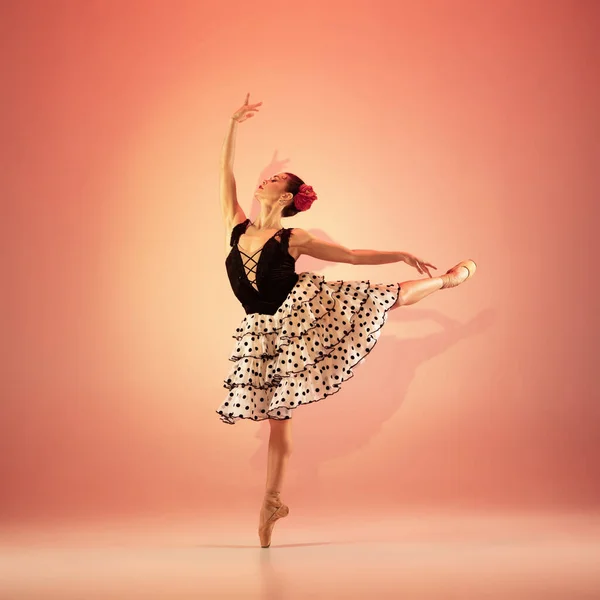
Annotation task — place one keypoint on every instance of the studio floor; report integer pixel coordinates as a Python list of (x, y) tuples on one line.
[(423, 555)]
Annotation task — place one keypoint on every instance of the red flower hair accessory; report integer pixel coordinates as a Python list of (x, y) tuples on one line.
[(305, 197)]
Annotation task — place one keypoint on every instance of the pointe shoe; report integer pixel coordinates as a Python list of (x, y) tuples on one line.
[(456, 275), (273, 508)]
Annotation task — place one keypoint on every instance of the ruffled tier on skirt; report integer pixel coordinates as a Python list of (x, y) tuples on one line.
[(306, 350)]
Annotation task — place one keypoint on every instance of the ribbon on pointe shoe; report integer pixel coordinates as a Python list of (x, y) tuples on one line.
[(450, 282), (277, 509)]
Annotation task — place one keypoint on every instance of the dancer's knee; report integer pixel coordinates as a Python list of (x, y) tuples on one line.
[(281, 433)]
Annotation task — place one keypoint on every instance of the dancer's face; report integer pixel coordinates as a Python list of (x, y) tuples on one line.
[(271, 189)]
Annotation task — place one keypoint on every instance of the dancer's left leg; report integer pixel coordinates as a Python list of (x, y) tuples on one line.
[(417, 289)]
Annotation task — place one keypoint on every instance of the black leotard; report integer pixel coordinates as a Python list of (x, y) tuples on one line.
[(262, 284)]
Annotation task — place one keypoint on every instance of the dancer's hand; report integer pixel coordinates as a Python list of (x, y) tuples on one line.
[(244, 112), (419, 264)]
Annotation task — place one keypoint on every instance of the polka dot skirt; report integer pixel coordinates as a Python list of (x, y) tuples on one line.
[(306, 350)]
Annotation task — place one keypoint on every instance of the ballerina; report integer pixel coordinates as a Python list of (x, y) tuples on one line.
[(302, 334)]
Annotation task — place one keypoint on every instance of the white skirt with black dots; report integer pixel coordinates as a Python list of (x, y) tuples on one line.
[(306, 350)]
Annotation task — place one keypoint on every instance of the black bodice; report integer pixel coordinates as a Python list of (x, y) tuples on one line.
[(261, 284)]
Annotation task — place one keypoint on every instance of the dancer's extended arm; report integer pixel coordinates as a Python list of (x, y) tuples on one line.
[(232, 212), (312, 246), (317, 248)]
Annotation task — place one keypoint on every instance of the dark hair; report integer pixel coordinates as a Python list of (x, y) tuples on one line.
[(293, 186)]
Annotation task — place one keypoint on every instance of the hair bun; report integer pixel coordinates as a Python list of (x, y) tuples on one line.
[(305, 197)]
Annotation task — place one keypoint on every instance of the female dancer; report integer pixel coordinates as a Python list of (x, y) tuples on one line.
[(301, 335)]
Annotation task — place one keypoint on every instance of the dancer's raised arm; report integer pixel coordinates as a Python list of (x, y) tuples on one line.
[(231, 210)]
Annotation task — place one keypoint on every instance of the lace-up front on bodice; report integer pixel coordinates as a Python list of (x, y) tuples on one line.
[(261, 283), (251, 270)]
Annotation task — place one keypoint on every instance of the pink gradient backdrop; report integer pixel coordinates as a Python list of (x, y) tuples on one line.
[(448, 129)]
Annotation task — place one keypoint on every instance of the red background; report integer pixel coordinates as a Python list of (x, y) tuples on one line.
[(450, 130)]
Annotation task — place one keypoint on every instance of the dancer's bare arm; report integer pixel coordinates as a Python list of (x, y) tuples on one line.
[(231, 210), (307, 243)]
